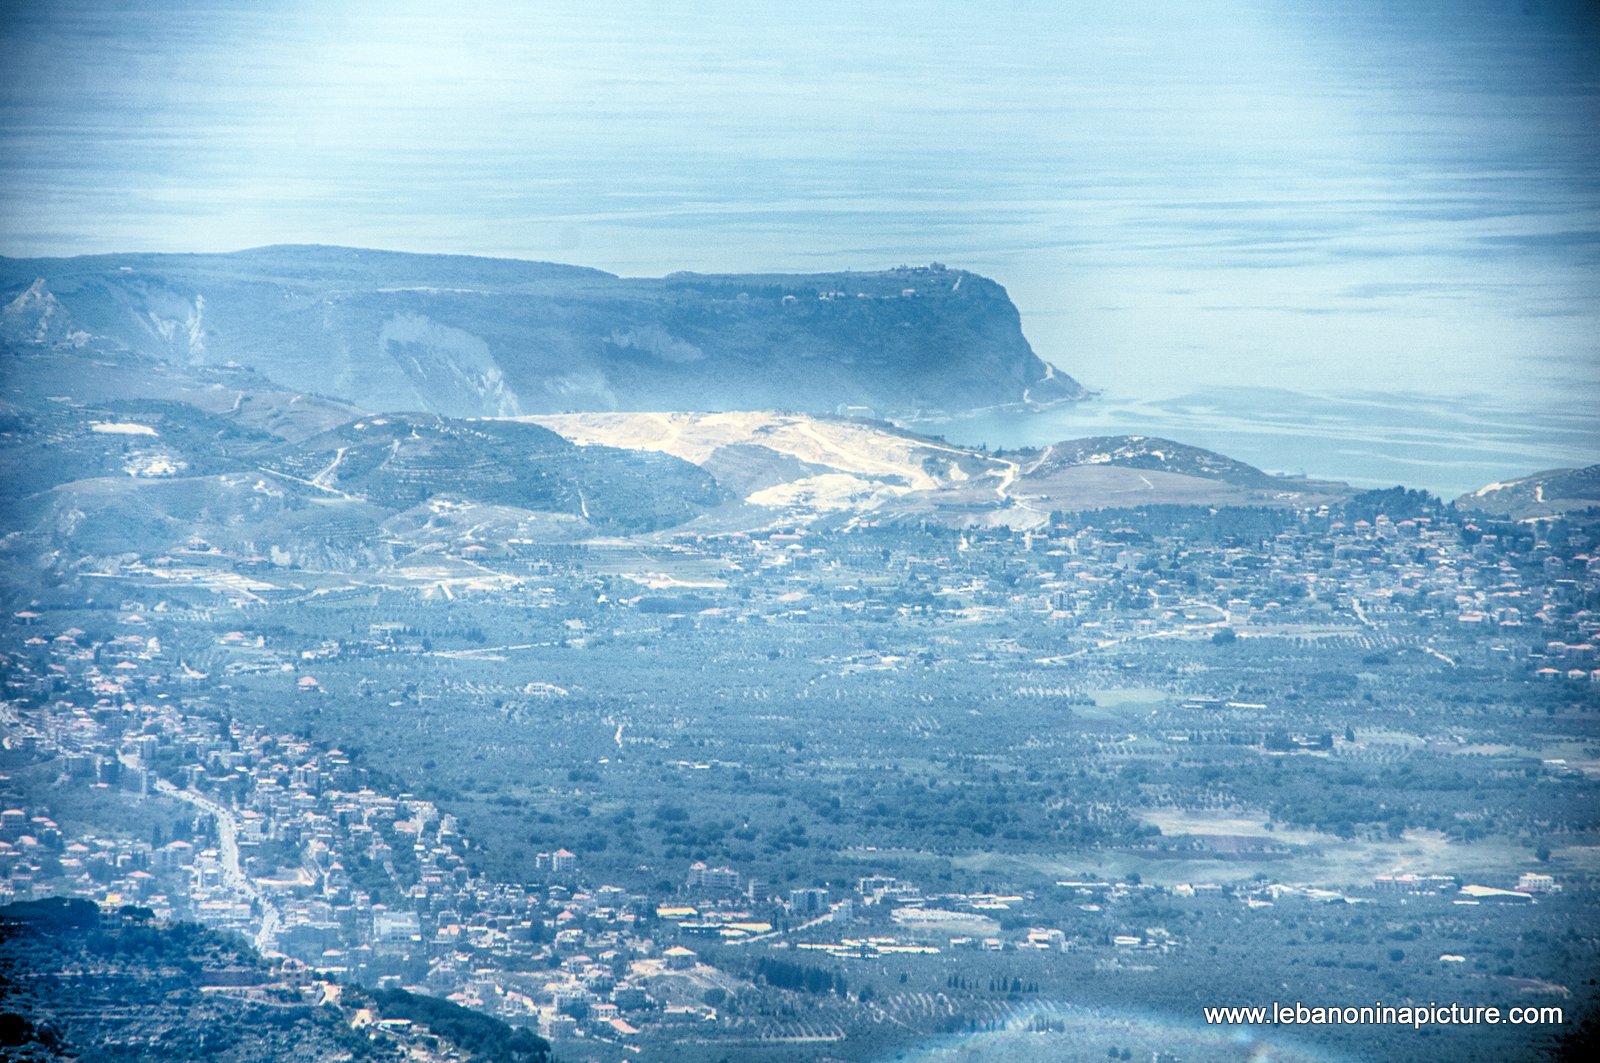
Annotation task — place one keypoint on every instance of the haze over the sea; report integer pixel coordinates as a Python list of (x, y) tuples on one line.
[(1329, 199)]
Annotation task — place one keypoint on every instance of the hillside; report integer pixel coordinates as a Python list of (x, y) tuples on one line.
[(111, 453), (401, 460), (87, 983), (82, 984), (105, 453), (468, 336), (1145, 452), (794, 466), (1543, 494)]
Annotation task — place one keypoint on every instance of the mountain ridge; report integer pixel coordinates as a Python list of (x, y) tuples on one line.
[(112, 454), (469, 336)]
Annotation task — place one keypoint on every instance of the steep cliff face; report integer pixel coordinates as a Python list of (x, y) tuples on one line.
[(468, 336)]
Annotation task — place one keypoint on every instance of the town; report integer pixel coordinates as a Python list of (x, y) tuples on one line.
[(983, 776)]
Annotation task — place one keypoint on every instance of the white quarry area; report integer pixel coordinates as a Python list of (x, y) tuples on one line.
[(153, 465), (121, 428), (829, 491), (861, 453)]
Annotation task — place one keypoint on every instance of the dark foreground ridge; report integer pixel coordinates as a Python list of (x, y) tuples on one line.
[(468, 336), (91, 982)]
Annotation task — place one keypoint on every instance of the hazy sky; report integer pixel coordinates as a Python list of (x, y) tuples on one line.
[(1320, 196)]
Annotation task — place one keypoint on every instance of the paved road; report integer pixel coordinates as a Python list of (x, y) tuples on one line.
[(233, 874)]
